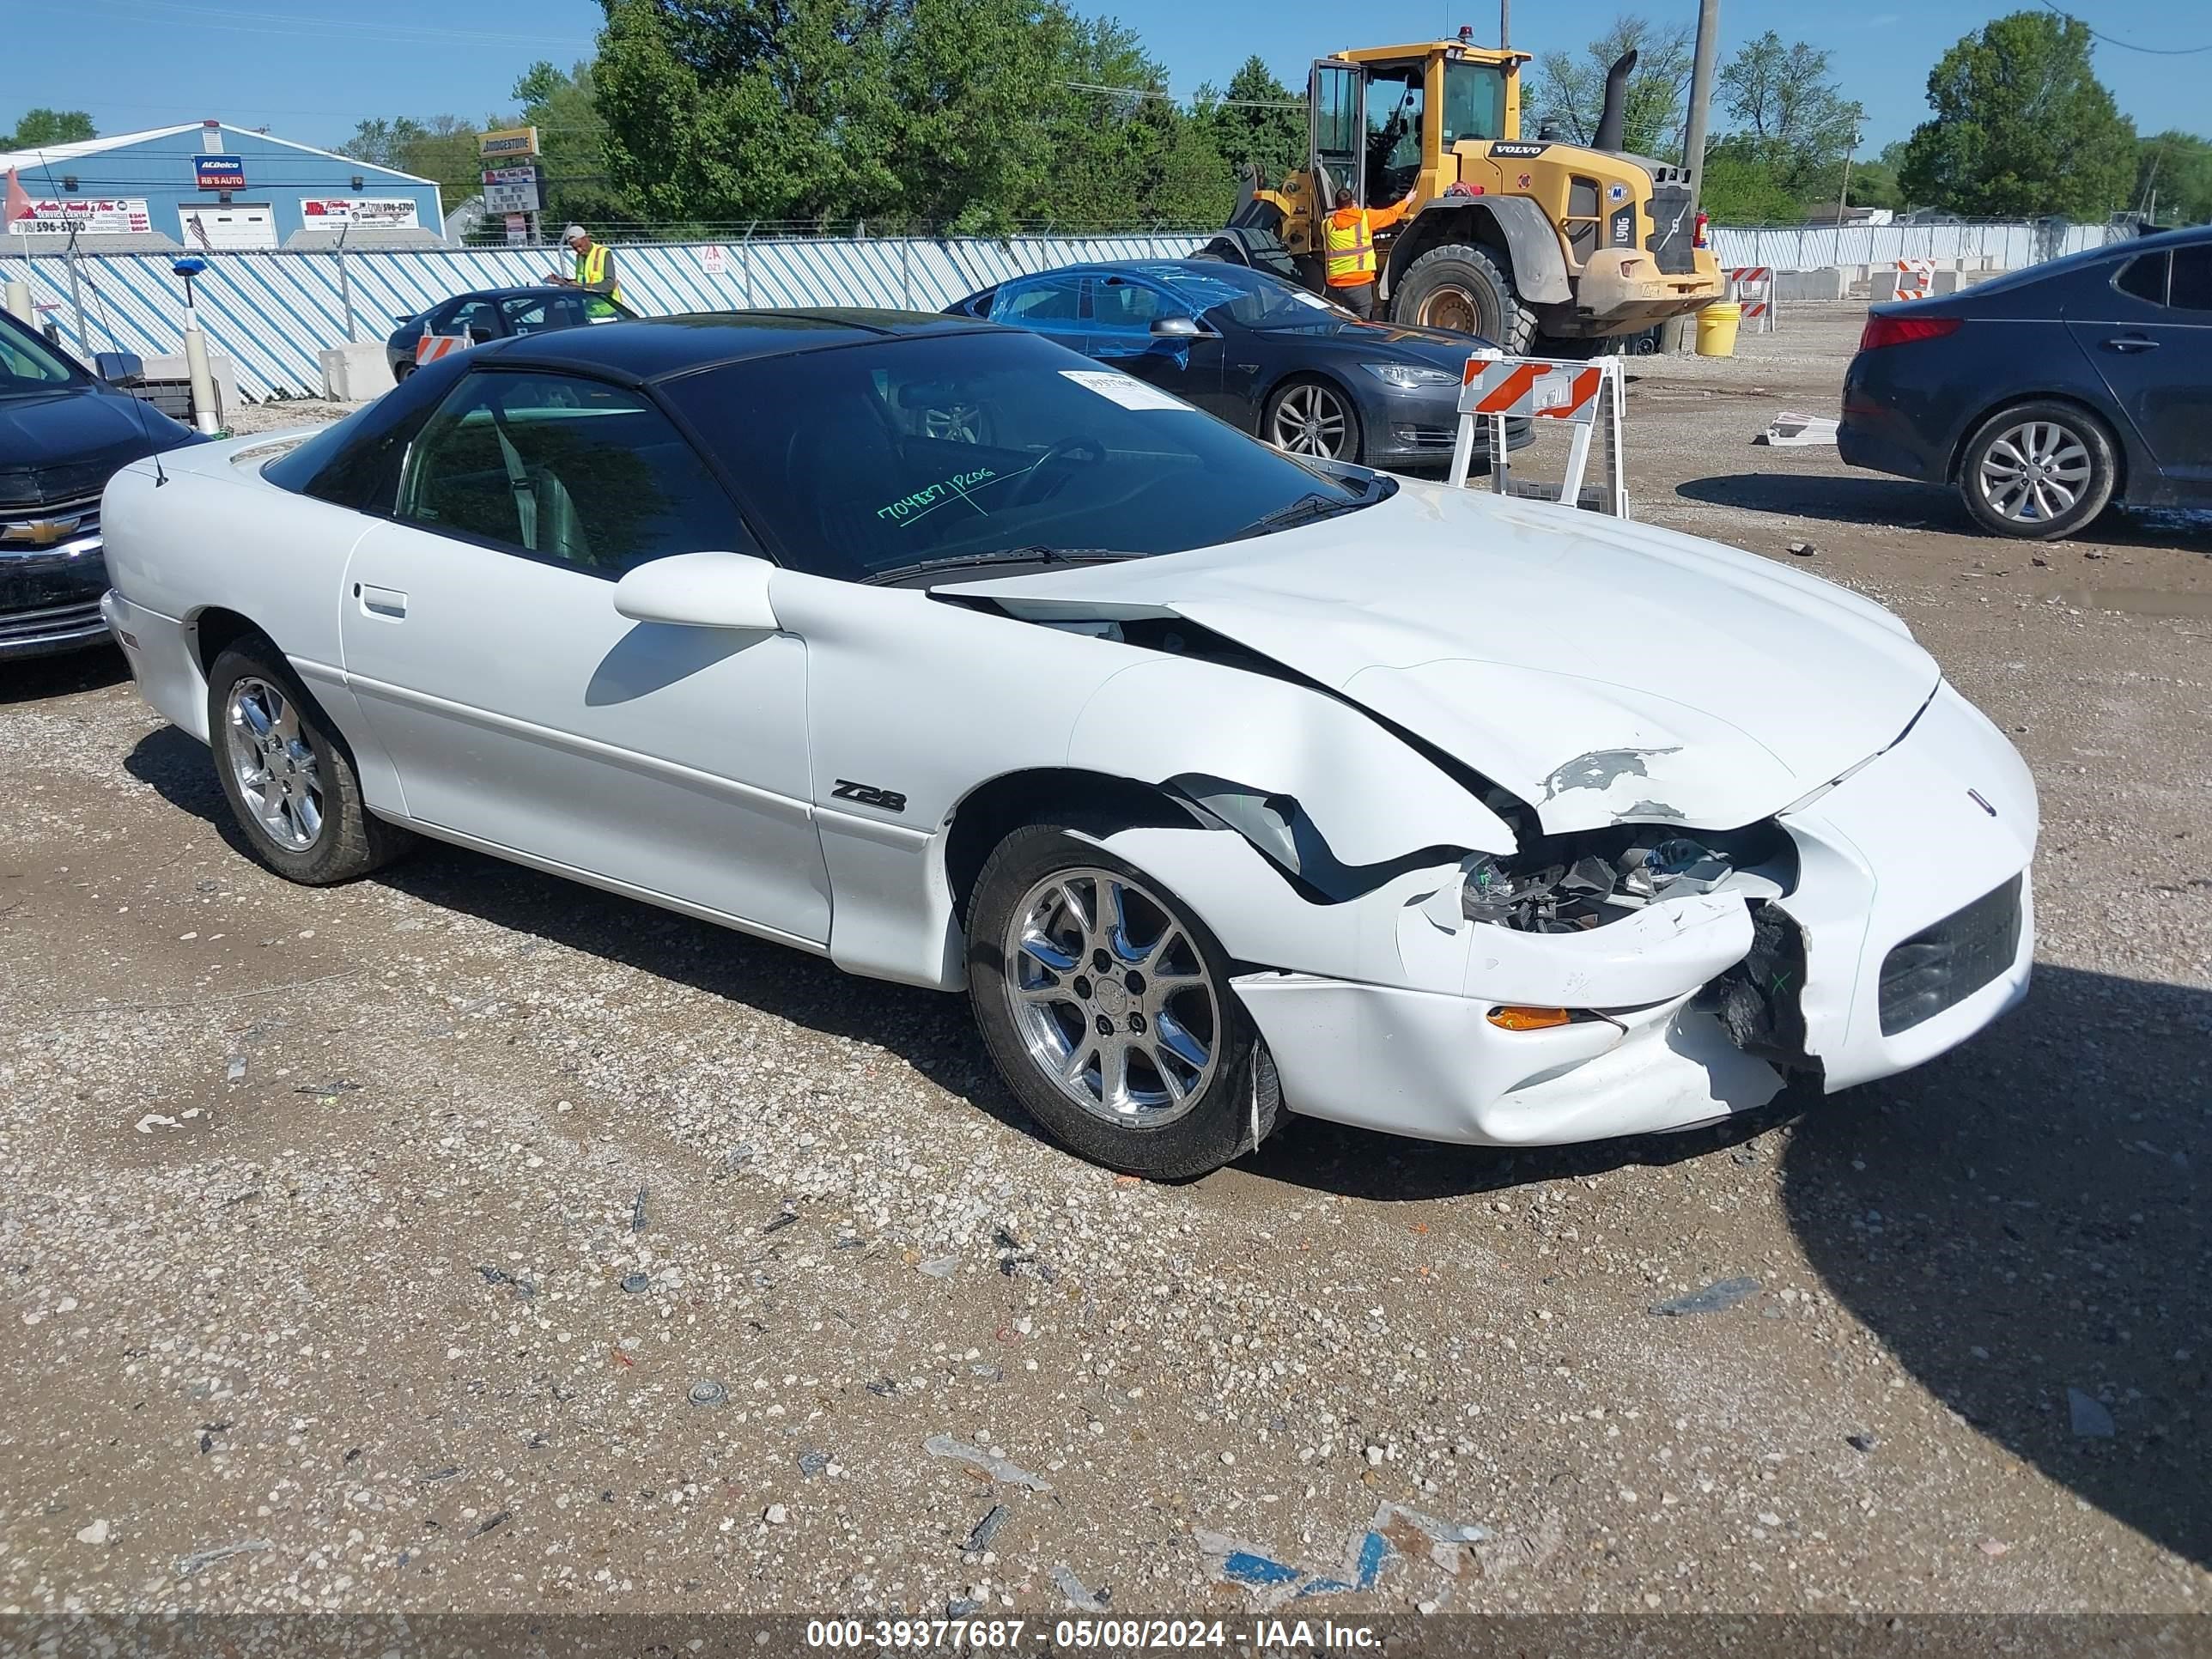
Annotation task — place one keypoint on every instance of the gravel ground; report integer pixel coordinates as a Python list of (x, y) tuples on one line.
[(466, 1240)]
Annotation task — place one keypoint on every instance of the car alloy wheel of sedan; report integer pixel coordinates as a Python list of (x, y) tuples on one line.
[(1111, 998), (1311, 420), (275, 768), (2035, 472)]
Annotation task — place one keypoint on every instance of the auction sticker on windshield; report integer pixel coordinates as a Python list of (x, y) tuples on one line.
[(1119, 388)]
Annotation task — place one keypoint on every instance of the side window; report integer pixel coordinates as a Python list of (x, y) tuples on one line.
[(535, 313), (1120, 307), (474, 318), (1042, 303), (567, 469), (2192, 278), (598, 308), (2144, 279)]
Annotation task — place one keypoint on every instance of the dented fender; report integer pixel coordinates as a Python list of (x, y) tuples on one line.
[(1372, 798)]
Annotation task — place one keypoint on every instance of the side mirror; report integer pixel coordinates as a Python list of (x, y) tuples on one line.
[(120, 367), (700, 590), (1177, 328)]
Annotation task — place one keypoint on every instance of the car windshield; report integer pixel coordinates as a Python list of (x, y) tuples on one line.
[(28, 367), (1250, 297), (860, 461)]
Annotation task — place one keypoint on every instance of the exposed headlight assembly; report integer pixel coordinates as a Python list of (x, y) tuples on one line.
[(1411, 377), (1575, 883)]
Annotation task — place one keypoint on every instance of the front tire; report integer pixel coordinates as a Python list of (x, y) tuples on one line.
[(1106, 1005), (2038, 470), (288, 777), (1312, 417), (1460, 286)]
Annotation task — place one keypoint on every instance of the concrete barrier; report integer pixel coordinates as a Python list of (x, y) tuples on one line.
[(1828, 282), (354, 373)]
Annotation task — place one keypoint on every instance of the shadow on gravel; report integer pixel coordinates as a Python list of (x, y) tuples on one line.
[(2023, 1218), (36, 677), (1901, 504), (928, 1029)]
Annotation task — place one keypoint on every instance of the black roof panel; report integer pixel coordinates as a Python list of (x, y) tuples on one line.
[(656, 346)]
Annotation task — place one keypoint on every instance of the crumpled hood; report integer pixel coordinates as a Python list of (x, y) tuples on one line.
[(1598, 670)]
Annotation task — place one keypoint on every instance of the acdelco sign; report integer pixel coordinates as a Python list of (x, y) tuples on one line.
[(219, 171)]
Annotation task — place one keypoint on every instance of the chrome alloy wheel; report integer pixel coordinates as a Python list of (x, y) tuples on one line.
[(2035, 472), (1111, 998), (274, 766), (1310, 420), (960, 423)]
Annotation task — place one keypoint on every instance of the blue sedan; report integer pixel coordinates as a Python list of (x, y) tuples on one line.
[(2049, 394), (1264, 355)]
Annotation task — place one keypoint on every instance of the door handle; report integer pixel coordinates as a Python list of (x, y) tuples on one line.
[(388, 603), (2131, 343)]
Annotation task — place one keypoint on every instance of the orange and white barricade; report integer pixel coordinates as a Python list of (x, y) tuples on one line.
[(1752, 286), (1497, 388), (431, 347), (1915, 278)]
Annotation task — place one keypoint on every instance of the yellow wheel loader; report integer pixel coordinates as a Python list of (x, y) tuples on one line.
[(1533, 244)]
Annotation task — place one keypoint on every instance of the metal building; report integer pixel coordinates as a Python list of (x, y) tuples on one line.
[(207, 186)]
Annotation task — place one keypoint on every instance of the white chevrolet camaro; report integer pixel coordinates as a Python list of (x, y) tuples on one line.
[(1224, 782)]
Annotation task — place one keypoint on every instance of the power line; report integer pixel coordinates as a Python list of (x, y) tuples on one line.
[(1219, 103), (2126, 46)]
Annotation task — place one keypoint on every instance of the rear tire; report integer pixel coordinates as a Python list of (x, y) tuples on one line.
[(2038, 470), (1181, 1073), (288, 775), (1459, 286), (406, 367)]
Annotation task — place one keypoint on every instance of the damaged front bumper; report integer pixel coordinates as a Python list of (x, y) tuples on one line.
[(1906, 928)]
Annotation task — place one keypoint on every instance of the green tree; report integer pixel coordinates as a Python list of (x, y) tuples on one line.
[(2173, 179), (38, 128), (1252, 123), (1740, 188), (559, 103), (1793, 118), (2022, 126), (382, 143), (1569, 90)]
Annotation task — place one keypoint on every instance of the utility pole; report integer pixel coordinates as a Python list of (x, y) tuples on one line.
[(1844, 194), (1694, 135)]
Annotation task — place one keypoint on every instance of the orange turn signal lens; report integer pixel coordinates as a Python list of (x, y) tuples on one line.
[(1514, 1017)]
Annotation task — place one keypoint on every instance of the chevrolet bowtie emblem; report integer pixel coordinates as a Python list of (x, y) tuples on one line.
[(39, 532)]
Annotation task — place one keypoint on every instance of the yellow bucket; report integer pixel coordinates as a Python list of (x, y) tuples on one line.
[(1716, 326)]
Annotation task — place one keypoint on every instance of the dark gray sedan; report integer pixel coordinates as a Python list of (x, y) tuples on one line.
[(499, 313), (1264, 355), (2048, 395)]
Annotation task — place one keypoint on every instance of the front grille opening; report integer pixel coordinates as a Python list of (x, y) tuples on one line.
[(1942, 966)]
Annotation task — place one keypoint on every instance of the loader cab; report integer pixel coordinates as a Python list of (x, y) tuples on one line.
[(1383, 117)]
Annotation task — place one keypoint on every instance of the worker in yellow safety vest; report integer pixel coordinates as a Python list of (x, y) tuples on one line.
[(595, 265), (1349, 237)]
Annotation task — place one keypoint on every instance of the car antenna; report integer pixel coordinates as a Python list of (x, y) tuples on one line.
[(160, 474)]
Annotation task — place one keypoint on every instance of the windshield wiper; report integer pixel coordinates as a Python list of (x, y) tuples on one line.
[(1038, 553), (1306, 510)]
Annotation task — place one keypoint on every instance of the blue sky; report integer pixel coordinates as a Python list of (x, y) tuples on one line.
[(309, 68)]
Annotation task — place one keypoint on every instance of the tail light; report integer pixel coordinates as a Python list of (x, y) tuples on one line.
[(1698, 237), (1904, 330)]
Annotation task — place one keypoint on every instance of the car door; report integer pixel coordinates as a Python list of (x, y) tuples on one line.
[(1123, 312), (2149, 334), (521, 713)]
